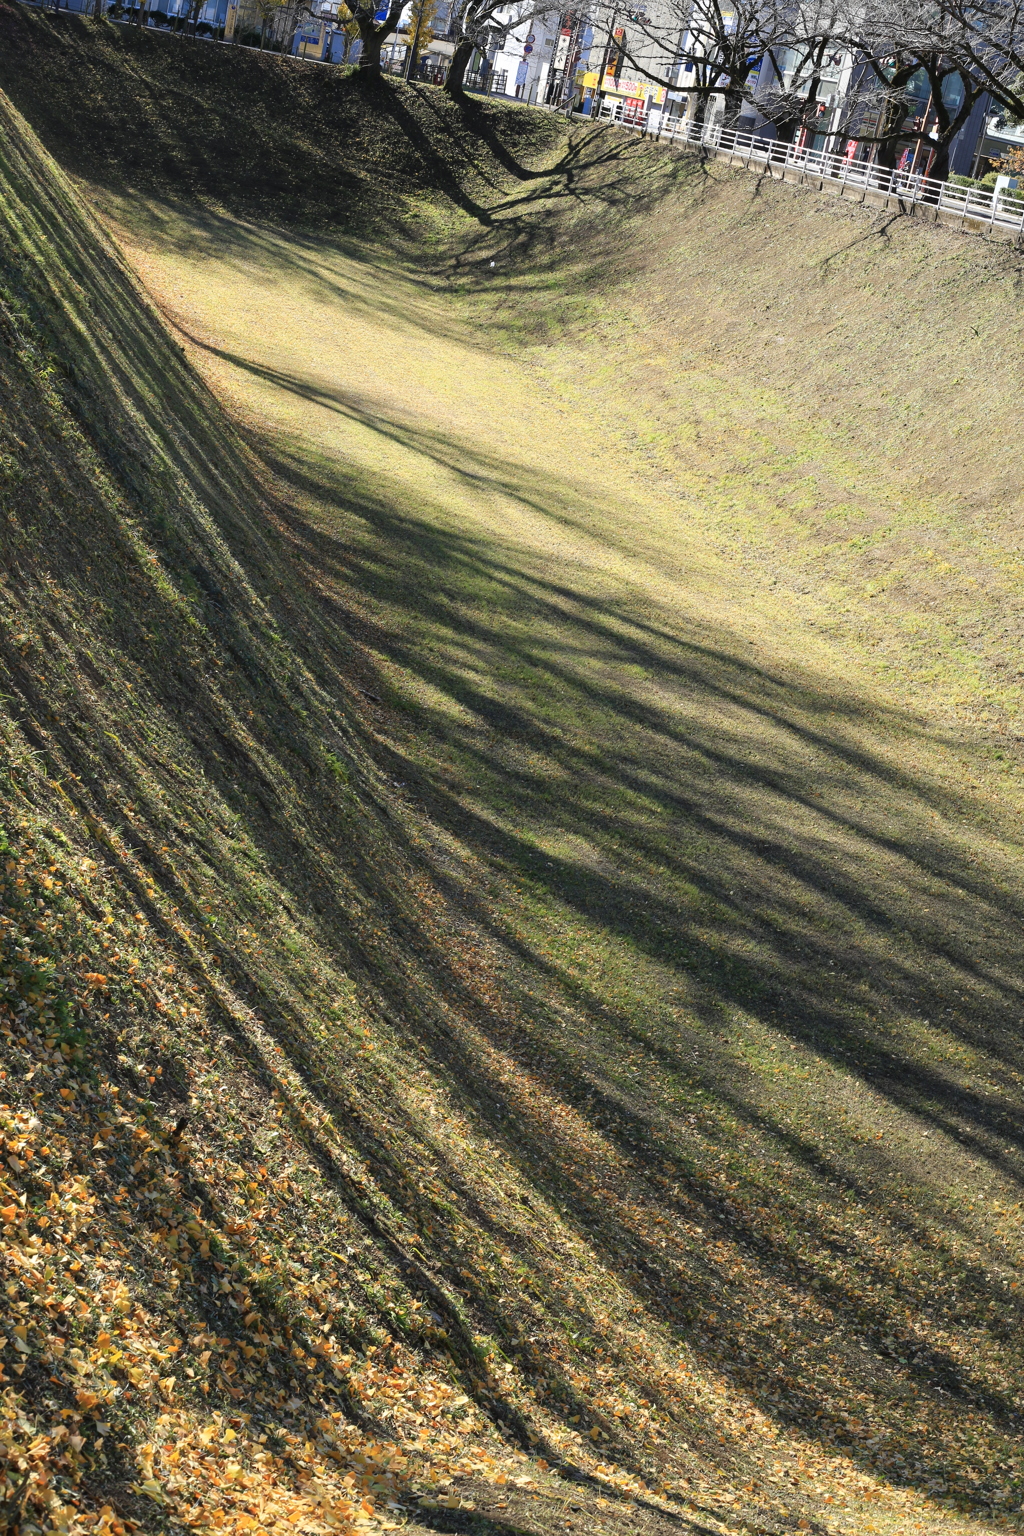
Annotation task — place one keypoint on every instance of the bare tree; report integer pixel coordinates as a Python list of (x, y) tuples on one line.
[(796, 70), (724, 45), (984, 39), (474, 23), (953, 95), (706, 47), (898, 43)]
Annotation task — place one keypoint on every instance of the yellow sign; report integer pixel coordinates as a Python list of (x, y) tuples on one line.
[(645, 89), (311, 40), (588, 81)]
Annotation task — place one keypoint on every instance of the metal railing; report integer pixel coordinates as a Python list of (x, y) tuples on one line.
[(491, 82), (972, 205)]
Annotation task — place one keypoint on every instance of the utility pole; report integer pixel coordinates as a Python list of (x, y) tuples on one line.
[(606, 55), (573, 24)]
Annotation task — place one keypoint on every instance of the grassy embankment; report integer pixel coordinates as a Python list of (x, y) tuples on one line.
[(588, 961)]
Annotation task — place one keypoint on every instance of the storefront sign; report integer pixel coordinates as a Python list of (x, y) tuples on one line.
[(654, 95)]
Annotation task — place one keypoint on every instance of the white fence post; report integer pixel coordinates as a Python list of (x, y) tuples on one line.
[(844, 176)]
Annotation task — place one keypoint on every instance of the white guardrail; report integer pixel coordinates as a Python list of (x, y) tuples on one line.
[(1001, 210)]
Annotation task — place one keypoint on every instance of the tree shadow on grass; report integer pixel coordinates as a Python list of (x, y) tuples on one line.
[(763, 845), (750, 853), (801, 721), (143, 114), (806, 877)]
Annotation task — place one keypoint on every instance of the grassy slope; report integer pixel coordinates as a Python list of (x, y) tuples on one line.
[(257, 138), (836, 401), (657, 789), (204, 916), (674, 960)]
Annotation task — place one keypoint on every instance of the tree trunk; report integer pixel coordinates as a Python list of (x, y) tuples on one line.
[(939, 168), (369, 54), (701, 97), (733, 105), (892, 121), (413, 59), (457, 68), (886, 156)]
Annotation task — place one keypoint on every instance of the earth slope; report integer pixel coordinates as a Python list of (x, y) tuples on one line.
[(512, 1002)]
